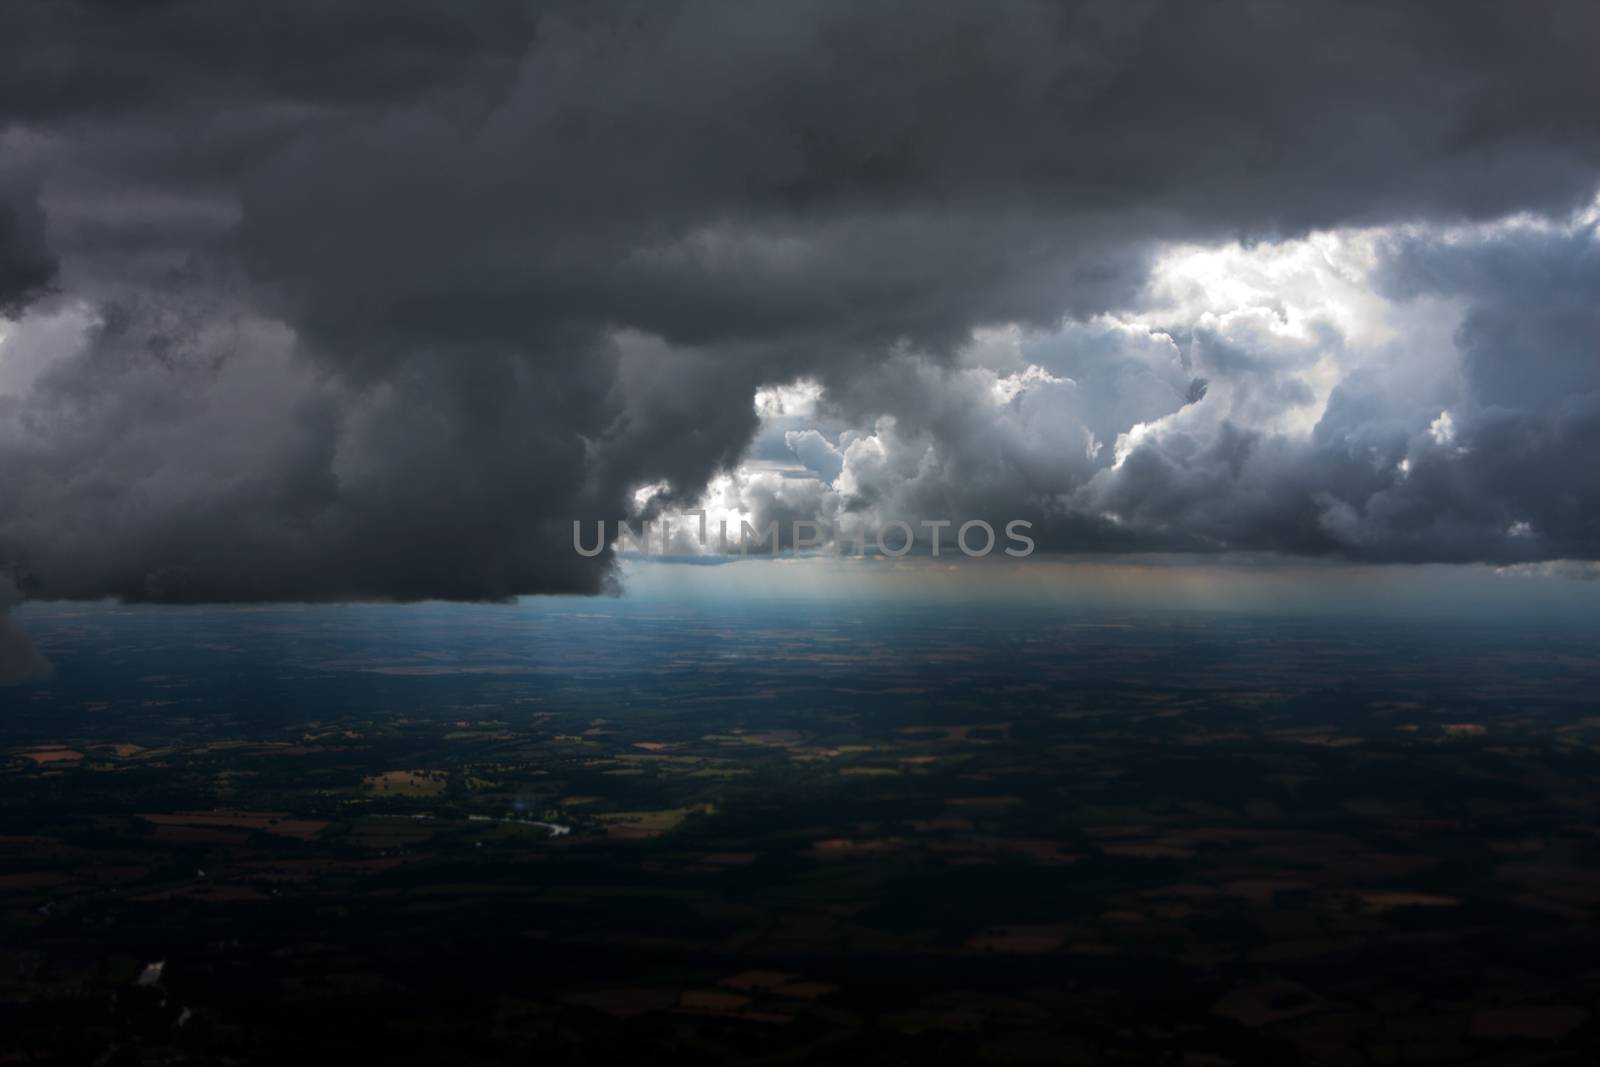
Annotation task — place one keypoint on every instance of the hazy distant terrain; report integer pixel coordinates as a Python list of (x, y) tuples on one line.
[(599, 828)]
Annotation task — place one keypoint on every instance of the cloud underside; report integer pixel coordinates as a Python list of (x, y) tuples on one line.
[(342, 300)]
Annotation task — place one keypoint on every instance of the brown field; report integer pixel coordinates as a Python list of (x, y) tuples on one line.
[(758, 980), (845, 848), (272, 822), (1388, 900), (712, 1000), (199, 835), (32, 880), (1021, 940), (42, 756), (634, 825), (1537, 1021)]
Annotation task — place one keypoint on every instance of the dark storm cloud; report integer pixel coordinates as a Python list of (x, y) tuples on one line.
[(371, 300), (27, 266)]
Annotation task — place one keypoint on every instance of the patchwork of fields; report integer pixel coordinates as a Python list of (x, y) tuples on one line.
[(1189, 840)]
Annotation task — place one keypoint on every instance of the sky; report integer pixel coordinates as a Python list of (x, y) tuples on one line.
[(333, 301)]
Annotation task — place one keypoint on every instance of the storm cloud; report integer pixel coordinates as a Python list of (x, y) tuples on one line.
[(336, 300)]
